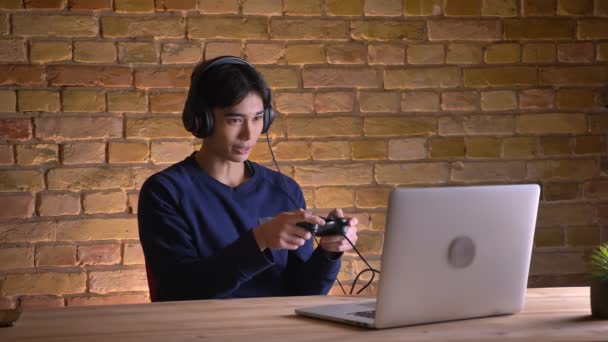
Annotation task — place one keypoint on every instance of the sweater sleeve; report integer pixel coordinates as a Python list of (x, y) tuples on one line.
[(310, 272), (177, 269)]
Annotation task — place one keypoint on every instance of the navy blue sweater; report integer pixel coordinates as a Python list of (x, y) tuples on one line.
[(196, 234)]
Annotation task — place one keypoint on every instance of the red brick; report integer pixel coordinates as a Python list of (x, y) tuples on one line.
[(95, 76), (11, 4), (447, 29), (596, 189), (386, 54), (537, 99), (334, 102), (460, 100), (12, 50), (19, 129), (31, 232), (99, 254), (41, 301), (175, 5), (539, 53), (350, 53), (288, 103), (87, 178), (16, 206), (308, 29), (419, 101), (53, 128), (90, 5), (117, 281), (56, 204), (45, 4), (6, 155), (320, 77), (134, 6), (20, 74), (165, 77), (592, 29), (576, 53), (115, 299)]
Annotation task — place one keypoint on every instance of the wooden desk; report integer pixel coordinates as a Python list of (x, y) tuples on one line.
[(550, 314)]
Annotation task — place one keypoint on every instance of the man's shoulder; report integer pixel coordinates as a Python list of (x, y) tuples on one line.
[(174, 176)]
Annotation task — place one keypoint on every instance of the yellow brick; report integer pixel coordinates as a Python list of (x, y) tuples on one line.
[(155, 128), (175, 53), (592, 29), (136, 52), (476, 124), (407, 149), (423, 7), (589, 144), (56, 204), (372, 197), (562, 169), (302, 7), (552, 145), (460, 53), (289, 103), (11, 4), (53, 51), (216, 49), (104, 202), (117, 281), (334, 126), (383, 8), (560, 191), (54, 25), (305, 54), (460, 100), (583, 236), (38, 100), (133, 254), (134, 6), (398, 126), (575, 98), (230, 28), (602, 51), (446, 147), (370, 149), (574, 76), (219, 6), (536, 99), (539, 53), (341, 7), (131, 27), (94, 52), (16, 257), (169, 151), (334, 197), (419, 101), (538, 7), (503, 53), (260, 154), (598, 123), (334, 175), (83, 101), (292, 150), (549, 237), (574, 7), (439, 77), (351, 53), (334, 102), (565, 214), (387, 30), (383, 102), (340, 77), (425, 54), (505, 76), (511, 171), (32, 232), (551, 123), (265, 53), (262, 7), (500, 8), (517, 147), (84, 153), (44, 283), (483, 147), (412, 173), (89, 178), (330, 150), (37, 154), (498, 100), (127, 101), (55, 255), (465, 29), (167, 102), (307, 29), (280, 77), (462, 7), (97, 229), (127, 152), (8, 101), (549, 29)]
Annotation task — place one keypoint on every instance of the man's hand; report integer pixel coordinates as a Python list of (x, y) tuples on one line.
[(338, 243), (282, 233)]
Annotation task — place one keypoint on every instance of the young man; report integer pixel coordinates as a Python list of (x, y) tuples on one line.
[(217, 225)]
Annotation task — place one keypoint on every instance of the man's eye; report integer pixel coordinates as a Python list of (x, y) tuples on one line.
[(234, 121), (258, 117)]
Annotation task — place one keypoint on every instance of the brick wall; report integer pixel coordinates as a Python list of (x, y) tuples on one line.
[(371, 94)]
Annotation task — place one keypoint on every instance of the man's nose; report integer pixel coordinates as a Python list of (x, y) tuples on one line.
[(246, 130)]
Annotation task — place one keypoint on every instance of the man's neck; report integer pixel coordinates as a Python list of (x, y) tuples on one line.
[(227, 172)]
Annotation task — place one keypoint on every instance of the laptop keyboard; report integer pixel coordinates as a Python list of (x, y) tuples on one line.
[(367, 314)]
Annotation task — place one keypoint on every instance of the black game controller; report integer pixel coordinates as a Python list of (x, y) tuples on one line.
[(333, 226)]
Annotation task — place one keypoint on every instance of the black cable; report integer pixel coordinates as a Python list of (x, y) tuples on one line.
[(369, 267)]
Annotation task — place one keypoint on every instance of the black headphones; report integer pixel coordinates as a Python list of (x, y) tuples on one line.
[(200, 124)]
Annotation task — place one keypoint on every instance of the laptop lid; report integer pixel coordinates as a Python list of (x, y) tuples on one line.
[(455, 252)]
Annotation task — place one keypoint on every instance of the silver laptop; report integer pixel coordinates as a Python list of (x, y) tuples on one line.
[(449, 253)]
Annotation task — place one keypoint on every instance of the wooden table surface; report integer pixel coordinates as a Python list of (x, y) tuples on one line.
[(552, 314)]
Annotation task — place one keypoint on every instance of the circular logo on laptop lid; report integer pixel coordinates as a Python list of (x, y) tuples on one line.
[(461, 252)]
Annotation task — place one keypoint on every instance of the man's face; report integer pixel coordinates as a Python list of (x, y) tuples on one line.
[(236, 129)]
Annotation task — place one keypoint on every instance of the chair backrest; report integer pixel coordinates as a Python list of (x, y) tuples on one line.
[(151, 283)]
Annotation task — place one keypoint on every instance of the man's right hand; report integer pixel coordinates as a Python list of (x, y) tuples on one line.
[(282, 233)]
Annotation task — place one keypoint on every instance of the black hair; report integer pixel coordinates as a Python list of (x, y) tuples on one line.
[(224, 85)]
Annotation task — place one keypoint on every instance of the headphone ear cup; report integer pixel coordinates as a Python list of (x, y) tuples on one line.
[(206, 121), (268, 118)]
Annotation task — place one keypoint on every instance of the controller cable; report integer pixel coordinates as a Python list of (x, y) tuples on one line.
[(369, 267)]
